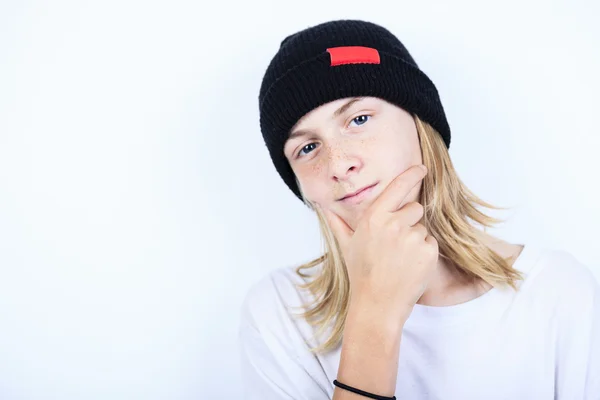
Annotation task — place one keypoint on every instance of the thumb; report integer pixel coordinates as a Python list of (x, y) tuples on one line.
[(342, 232)]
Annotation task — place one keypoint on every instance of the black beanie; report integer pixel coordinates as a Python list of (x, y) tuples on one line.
[(335, 60)]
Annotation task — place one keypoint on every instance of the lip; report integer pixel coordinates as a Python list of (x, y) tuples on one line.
[(359, 195)]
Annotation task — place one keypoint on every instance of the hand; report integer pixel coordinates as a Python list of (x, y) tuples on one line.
[(389, 257)]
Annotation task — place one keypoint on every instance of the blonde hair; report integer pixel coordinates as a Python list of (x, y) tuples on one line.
[(449, 210)]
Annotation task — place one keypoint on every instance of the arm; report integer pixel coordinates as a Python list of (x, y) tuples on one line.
[(370, 352), (270, 372), (577, 368), (275, 364)]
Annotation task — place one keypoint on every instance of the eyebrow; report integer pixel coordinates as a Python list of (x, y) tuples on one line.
[(336, 114), (346, 106)]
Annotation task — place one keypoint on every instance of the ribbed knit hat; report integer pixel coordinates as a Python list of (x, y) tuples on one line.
[(335, 60)]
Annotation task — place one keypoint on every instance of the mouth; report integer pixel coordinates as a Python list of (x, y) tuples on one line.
[(359, 195)]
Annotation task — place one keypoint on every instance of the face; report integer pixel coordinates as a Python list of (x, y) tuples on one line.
[(347, 145)]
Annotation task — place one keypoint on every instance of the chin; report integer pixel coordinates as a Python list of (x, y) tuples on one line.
[(352, 217)]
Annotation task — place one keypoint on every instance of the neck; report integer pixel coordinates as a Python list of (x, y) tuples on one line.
[(449, 287)]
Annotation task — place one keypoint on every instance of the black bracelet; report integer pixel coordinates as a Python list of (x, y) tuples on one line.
[(361, 392)]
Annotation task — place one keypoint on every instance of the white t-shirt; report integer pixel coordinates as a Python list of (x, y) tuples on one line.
[(540, 343)]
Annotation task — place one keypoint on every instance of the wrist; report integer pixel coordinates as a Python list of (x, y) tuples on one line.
[(367, 313), (370, 348)]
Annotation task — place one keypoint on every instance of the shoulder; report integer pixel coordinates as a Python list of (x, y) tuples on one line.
[(571, 293), (561, 278), (274, 340), (563, 269), (274, 299)]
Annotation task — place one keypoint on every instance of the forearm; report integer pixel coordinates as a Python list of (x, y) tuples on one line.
[(370, 353)]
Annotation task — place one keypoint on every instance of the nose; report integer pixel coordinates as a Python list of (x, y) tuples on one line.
[(343, 164)]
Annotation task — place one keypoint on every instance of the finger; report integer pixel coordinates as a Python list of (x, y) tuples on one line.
[(342, 232), (395, 194), (421, 231), (410, 214), (431, 240), (434, 245)]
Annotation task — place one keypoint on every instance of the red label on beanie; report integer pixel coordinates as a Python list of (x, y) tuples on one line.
[(353, 55)]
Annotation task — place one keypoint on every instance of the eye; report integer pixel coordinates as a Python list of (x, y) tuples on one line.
[(361, 119), (309, 147)]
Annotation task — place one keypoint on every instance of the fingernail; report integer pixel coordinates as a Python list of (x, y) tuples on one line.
[(423, 167)]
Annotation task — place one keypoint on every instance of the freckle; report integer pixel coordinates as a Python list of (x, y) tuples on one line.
[(368, 141)]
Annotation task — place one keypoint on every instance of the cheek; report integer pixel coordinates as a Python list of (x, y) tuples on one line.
[(398, 152), (312, 181)]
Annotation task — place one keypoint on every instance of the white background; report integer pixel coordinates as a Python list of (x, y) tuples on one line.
[(138, 202)]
